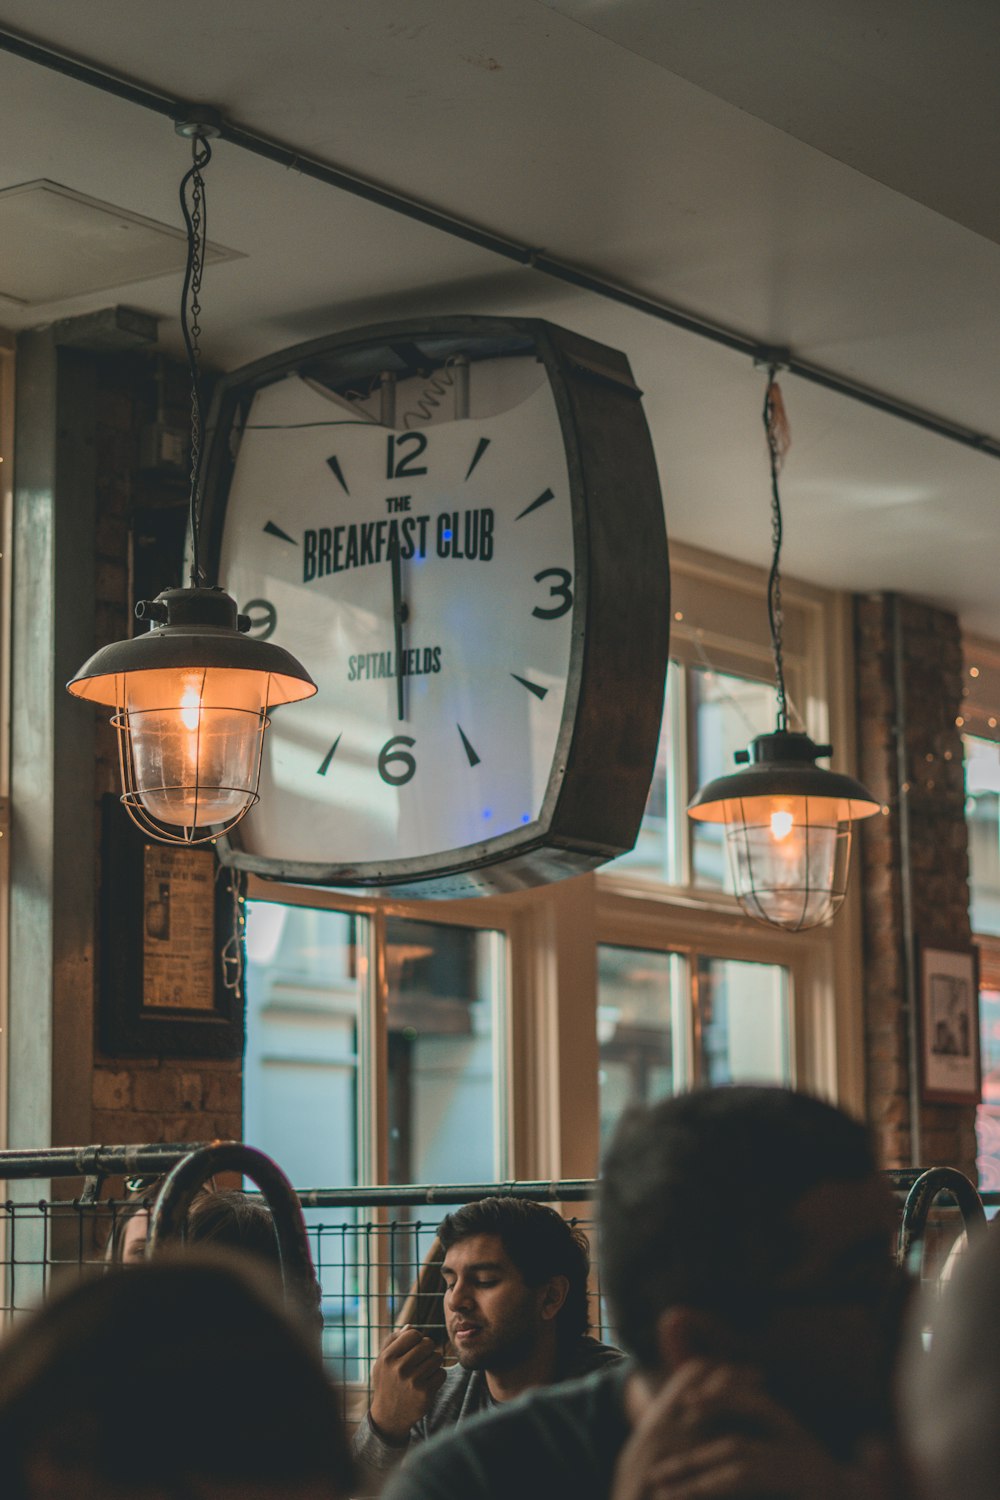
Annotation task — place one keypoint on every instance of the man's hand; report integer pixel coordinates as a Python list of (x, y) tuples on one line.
[(712, 1433), (405, 1378)]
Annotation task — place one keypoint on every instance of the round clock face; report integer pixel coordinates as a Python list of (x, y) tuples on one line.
[(424, 572)]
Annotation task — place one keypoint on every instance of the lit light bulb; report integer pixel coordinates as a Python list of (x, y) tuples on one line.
[(781, 825), (190, 708)]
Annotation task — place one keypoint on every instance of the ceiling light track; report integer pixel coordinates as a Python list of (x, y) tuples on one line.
[(534, 259)]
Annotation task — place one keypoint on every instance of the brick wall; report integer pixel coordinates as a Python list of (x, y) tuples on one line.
[(932, 693), (143, 1099)]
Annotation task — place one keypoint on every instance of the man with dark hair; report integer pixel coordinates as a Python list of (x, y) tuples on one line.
[(515, 1310), (746, 1256)]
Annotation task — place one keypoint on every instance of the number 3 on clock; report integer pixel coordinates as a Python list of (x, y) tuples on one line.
[(560, 591)]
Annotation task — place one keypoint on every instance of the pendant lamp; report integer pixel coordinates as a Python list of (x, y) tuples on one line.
[(787, 821), (191, 694)]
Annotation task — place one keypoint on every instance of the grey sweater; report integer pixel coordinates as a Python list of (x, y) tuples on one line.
[(464, 1394)]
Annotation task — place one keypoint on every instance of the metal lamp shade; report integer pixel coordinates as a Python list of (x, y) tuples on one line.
[(191, 699), (788, 830)]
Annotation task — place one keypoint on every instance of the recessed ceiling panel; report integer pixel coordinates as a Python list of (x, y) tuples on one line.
[(60, 244)]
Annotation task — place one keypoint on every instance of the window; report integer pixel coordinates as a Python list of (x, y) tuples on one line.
[(443, 984), (641, 1029), (718, 713), (486, 1039), (982, 819), (681, 969), (6, 524), (314, 1044), (988, 1113), (743, 1023), (981, 747), (668, 1020), (305, 994)]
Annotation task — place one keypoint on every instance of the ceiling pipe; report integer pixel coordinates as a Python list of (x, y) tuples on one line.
[(537, 260)]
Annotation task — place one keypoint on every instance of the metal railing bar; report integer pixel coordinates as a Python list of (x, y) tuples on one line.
[(567, 1191), (95, 1161)]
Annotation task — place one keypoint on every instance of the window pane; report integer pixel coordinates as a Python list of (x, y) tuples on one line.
[(742, 1024), (442, 1061), (301, 1068), (727, 712), (988, 1113), (982, 816), (304, 998), (641, 1045)]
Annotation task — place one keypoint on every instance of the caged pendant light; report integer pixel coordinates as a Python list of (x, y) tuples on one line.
[(191, 695), (787, 821)]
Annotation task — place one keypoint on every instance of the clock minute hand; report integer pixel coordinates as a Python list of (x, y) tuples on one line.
[(399, 614)]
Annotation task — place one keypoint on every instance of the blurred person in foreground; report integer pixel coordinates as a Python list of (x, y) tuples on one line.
[(515, 1311), (746, 1260), (176, 1380), (950, 1393)]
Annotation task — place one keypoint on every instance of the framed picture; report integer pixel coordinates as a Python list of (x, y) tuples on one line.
[(168, 912), (949, 1025)]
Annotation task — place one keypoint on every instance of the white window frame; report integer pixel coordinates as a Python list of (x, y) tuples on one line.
[(823, 964)]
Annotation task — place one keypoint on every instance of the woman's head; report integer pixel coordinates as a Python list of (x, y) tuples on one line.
[(87, 1381)]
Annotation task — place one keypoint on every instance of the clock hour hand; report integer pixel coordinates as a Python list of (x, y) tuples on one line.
[(399, 614)]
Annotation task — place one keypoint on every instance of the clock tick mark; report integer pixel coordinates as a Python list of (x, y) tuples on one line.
[(273, 530), (333, 464), (543, 499), (324, 765), (474, 759), (484, 443), (532, 687)]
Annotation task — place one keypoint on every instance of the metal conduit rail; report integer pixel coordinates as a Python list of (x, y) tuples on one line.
[(101, 77)]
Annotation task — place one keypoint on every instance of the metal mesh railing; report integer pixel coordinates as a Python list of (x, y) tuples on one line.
[(374, 1249)]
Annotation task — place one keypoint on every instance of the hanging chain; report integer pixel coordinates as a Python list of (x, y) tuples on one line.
[(778, 443), (194, 209)]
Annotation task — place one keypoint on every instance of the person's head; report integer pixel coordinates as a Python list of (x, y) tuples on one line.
[(232, 1221), (126, 1243), (749, 1224), (515, 1275), (85, 1381), (949, 1394), (226, 1220)]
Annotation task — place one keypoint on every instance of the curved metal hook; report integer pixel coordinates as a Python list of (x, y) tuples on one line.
[(921, 1196), (168, 1216)]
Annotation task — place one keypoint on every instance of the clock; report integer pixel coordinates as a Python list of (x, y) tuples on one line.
[(456, 523)]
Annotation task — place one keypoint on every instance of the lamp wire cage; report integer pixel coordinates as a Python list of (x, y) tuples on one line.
[(802, 905), (197, 832)]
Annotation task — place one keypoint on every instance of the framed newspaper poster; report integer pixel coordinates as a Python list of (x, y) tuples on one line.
[(949, 1025), (170, 960)]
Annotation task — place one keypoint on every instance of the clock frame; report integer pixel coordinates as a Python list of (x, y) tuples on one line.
[(606, 744)]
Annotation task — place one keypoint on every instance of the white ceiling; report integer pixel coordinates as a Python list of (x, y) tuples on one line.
[(811, 175)]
